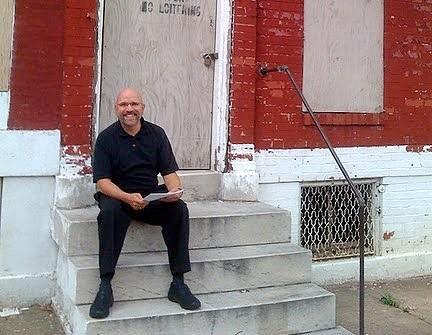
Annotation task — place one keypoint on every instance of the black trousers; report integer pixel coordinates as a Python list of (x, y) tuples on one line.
[(113, 222)]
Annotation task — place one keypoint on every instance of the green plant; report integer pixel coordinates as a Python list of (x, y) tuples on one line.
[(389, 300)]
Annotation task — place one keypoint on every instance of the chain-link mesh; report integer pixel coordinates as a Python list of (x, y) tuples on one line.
[(330, 220)]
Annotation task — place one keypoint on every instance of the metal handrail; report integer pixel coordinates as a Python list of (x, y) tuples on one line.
[(264, 70)]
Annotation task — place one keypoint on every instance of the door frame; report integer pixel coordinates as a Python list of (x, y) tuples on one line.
[(220, 105)]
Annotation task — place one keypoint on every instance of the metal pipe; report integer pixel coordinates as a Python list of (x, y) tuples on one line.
[(264, 70)]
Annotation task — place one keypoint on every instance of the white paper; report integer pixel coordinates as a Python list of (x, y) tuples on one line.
[(157, 196)]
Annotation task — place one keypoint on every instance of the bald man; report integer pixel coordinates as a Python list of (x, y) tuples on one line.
[(128, 156)]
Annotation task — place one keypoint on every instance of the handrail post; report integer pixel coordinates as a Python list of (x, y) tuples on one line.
[(264, 70), (362, 209)]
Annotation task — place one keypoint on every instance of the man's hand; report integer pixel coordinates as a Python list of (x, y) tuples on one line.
[(136, 201)]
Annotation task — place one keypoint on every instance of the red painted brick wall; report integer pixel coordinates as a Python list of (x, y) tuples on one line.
[(408, 71), (53, 68), (277, 117), (243, 74), (36, 72), (280, 41), (79, 56)]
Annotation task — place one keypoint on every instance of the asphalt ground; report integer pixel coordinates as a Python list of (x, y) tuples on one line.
[(402, 307)]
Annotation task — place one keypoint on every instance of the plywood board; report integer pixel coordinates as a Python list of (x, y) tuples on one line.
[(6, 19), (157, 47), (343, 55)]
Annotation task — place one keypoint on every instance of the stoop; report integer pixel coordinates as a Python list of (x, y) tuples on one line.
[(250, 279)]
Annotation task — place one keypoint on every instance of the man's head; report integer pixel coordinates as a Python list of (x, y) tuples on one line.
[(129, 107)]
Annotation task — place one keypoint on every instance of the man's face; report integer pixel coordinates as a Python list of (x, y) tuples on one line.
[(129, 108)]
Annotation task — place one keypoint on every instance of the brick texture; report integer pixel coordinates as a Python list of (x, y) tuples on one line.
[(279, 41), (36, 65), (243, 63), (79, 56), (53, 68), (271, 105), (408, 72)]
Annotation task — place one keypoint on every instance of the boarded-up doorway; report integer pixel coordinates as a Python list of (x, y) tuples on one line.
[(157, 46)]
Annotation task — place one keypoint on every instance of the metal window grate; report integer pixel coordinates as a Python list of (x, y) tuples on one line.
[(329, 220)]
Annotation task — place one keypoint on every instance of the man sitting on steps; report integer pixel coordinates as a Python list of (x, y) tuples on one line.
[(128, 156)]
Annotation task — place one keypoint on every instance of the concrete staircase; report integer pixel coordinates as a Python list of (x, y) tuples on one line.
[(250, 279)]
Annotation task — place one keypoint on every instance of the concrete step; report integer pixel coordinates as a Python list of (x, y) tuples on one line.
[(288, 309), (199, 184), (333, 331), (77, 191), (212, 224), (147, 275)]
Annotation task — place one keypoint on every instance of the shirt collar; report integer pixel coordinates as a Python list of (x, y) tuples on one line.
[(142, 131)]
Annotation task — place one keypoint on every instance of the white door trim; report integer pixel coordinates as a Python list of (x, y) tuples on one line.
[(98, 85), (220, 84)]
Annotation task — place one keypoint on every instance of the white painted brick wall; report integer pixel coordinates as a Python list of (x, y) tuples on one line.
[(407, 213), (318, 164), (406, 201), (286, 196)]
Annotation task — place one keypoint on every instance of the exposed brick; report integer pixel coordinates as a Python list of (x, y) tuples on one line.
[(79, 55), (279, 120), (243, 72), (36, 72)]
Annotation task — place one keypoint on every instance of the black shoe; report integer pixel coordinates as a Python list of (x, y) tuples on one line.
[(180, 293), (102, 303)]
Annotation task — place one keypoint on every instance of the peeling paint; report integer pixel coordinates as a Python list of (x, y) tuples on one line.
[(388, 235), (249, 157), (76, 160), (419, 148)]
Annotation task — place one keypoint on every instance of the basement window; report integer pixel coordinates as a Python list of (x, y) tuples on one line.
[(329, 222)]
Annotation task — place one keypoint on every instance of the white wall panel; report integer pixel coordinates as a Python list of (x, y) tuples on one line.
[(27, 252), (29, 153)]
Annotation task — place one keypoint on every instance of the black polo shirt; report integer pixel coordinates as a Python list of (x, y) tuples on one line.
[(133, 162)]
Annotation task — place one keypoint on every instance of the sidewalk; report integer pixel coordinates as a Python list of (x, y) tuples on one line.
[(413, 316), (37, 320)]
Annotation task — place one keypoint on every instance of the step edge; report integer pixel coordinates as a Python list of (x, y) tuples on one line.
[(321, 293), (86, 217), (299, 251)]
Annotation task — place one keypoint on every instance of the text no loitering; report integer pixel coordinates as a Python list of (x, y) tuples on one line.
[(169, 8)]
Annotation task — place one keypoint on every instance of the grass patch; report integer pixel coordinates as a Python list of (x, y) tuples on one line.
[(389, 300)]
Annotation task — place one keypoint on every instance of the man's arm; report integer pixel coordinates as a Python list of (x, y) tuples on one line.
[(107, 187), (173, 183)]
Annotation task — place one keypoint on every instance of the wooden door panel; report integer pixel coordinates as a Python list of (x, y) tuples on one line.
[(159, 51)]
